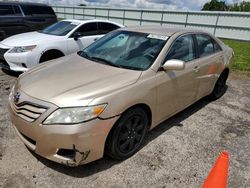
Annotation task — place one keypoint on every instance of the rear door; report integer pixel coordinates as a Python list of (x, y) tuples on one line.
[(177, 89), (105, 27), (11, 21), (210, 57), (38, 17)]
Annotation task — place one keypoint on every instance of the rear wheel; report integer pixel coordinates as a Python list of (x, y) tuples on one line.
[(220, 86), (128, 134)]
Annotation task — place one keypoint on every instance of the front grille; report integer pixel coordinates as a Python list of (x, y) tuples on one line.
[(29, 112), (3, 63), (2, 52)]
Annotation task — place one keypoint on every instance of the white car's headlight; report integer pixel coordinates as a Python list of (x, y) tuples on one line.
[(74, 115), (21, 49)]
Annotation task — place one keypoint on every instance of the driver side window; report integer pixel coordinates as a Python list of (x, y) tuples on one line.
[(182, 49)]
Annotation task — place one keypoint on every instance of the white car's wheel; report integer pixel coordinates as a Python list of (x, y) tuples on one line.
[(51, 54)]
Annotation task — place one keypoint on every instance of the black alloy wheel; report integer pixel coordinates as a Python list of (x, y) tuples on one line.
[(128, 134), (220, 86)]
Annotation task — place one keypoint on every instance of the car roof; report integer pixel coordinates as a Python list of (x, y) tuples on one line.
[(91, 20), (161, 30), (22, 3)]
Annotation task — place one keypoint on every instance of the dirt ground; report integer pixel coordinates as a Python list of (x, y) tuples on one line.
[(178, 153)]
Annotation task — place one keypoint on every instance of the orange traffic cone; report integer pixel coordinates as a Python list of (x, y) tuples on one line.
[(217, 177)]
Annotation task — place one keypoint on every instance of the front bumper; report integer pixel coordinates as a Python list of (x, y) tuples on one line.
[(85, 141), (17, 61)]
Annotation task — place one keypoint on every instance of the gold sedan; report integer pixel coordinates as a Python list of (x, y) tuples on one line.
[(106, 97)]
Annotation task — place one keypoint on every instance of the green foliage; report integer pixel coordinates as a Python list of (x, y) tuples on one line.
[(242, 7), (216, 5), (241, 49)]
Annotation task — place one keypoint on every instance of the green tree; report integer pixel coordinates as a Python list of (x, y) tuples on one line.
[(243, 7), (215, 5)]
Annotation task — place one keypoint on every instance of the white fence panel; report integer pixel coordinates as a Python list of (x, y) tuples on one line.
[(233, 25)]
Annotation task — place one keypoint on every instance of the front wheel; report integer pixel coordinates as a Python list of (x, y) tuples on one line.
[(128, 134), (220, 86)]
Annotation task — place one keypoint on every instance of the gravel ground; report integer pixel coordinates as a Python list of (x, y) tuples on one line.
[(178, 153)]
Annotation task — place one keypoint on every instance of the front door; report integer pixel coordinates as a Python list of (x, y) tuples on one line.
[(89, 33), (177, 89)]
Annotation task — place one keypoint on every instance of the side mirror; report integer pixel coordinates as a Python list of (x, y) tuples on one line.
[(77, 35), (174, 64)]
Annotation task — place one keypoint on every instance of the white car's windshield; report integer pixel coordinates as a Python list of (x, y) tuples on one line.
[(131, 50), (60, 28)]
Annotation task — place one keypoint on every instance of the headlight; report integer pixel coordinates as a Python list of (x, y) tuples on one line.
[(21, 49), (74, 115)]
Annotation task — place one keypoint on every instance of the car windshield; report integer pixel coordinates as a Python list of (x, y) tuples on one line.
[(125, 49), (60, 28)]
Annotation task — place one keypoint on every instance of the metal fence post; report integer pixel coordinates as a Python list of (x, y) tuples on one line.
[(123, 19), (64, 12), (83, 12), (162, 13), (141, 17), (186, 19), (216, 23)]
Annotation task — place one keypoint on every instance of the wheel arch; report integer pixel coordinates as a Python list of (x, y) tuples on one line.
[(52, 50), (146, 108), (143, 106)]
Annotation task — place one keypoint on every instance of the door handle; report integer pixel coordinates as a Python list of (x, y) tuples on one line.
[(196, 69)]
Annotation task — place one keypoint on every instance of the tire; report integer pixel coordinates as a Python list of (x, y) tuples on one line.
[(220, 86), (49, 55), (128, 134)]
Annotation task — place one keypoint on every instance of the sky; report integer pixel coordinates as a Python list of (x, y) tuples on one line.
[(152, 4)]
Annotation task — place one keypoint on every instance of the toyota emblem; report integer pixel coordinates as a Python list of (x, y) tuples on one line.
[(16, 97)]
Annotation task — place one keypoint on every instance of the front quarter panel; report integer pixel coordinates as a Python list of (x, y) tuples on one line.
[(141, 92)]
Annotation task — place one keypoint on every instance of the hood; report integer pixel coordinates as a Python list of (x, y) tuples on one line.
[(74, 81), (24, 39)]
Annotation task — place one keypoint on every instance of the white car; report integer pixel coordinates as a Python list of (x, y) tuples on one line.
[(23, 51)]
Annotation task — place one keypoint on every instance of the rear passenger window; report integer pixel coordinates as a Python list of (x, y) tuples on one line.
[(182, 49), (41, 10), (6, 10), (106, 27), (207, 45), (17, 10), (88, 29)]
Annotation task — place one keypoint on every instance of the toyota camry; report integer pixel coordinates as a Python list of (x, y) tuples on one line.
[(105, 98)]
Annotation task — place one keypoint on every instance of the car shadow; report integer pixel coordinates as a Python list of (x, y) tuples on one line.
[(106, 162)]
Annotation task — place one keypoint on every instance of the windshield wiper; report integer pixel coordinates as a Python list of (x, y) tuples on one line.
[(84, 54), (131, 68), (102, 60)]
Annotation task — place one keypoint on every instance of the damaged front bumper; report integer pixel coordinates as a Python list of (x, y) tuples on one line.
[(70, 145)]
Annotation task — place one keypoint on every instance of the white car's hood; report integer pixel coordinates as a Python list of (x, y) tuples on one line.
[(30, 38)]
